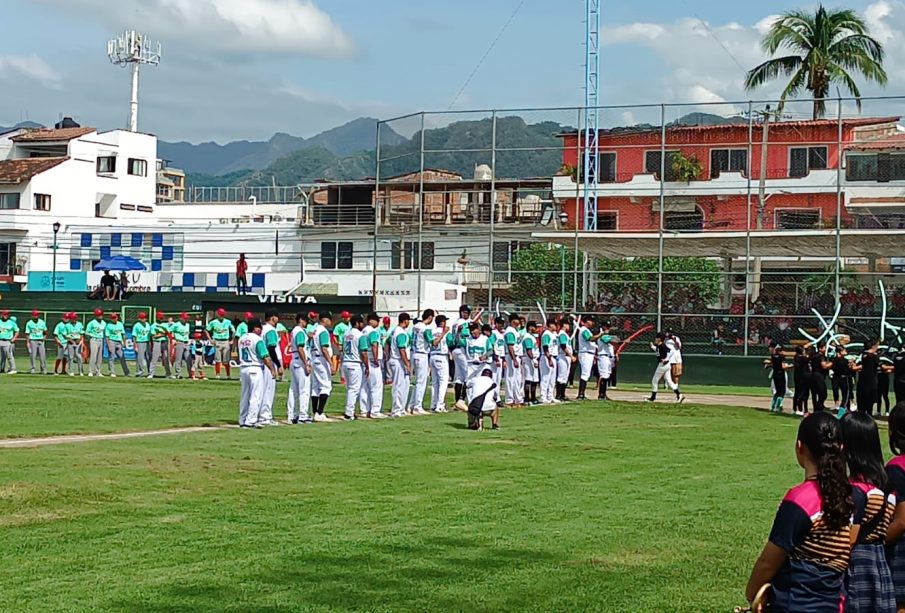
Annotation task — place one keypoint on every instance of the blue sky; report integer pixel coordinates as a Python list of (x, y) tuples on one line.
[(248, 68)]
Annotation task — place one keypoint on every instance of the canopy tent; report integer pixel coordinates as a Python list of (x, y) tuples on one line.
[(120, 262)]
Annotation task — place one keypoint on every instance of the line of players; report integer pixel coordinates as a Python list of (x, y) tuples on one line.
[(533, 361)]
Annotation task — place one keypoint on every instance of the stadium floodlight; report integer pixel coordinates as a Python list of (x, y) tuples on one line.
[(133, 49)]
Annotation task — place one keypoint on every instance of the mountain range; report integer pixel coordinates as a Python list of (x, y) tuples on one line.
[(22, 124), (214, 159)]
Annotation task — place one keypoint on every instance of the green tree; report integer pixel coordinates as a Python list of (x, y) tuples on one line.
[(683, 278), (545, 273), (825, 48)]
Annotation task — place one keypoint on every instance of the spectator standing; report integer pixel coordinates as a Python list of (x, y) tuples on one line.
[(242, 275)]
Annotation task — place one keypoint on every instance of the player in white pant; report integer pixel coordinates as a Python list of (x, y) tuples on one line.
[(530, 363), (663, 370), (549, 346), (515, 393), (355, 365), (587, 353), (498, 337), (438, 356), (400, 366), (420, 362), (564, 362), (300, 383), (606, 357), (322, 370), (372, 387), (460, 333), (254, 359), (272, 342)]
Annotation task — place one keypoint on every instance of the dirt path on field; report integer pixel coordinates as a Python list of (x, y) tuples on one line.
[(87, 438), (665, 397)]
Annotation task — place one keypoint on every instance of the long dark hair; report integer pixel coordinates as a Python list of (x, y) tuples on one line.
[(897, 429), (821, 435), (861, 444)]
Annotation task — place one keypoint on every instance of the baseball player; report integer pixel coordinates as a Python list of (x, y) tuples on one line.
[(300, 366), (9, 334), (322, 367), (420, 362), (438, 341), (182, 354), (160, 337), (606, 358), (514, 388), (36, 332), (372, 392), (530, 363), (272, 343), (549, 346), (587, 353), (76, 345), (61, 338), (95, 333), (400, 365), (115, 336), (565, 359), (221, 331), (253, 360), (141, 338), (356, 365)]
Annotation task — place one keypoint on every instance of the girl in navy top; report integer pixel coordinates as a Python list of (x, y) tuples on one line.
[(807, 553), (895, 470), (868, 582)]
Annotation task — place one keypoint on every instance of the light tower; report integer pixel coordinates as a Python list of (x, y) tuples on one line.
[(591, 162), (133, 49)]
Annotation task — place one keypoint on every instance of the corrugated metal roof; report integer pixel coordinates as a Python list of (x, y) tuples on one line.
[(14, 172)]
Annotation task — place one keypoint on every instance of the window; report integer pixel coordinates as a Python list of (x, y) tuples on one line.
[(42, 202), (336, 255), (127, 207), (607, 173), (607, 221), (861, 167), (106, 165), (138, 168), (406, 256), (688, 221), (728, 160), (803, 160), (797, 219), (9, 201), (149, 209), (652, 164), (7, 259)]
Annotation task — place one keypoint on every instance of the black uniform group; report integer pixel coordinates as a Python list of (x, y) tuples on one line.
[(861, 381)]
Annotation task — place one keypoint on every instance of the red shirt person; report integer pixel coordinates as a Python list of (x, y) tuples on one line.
[(242, 275)]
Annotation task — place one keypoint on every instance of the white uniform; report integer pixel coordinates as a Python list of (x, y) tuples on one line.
[(530, 363), (300, 383), (420, 366), (270, 383), (438, 355), (480, 385), (515, 391), (564, 361), (353, 370), (674, 344), (460, 352), (251, 379), (399, 342), (372, 387), (321, 370), (605, 356), (499, 359), (548, 372), (587, 351), (477, 351)]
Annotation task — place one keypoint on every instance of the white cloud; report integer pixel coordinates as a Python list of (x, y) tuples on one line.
[(250, 26), (31, 67)]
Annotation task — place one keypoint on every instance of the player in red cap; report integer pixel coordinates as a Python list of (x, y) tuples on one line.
[(95, 333), (115, 332), (76, 345), (242, 327), (61, 339), (181, 331), (9, 334), (141, 339), (160, 338), (221, 332), (36, 332), (339, 333)]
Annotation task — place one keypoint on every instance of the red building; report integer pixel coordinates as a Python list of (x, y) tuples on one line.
[(803, 184)]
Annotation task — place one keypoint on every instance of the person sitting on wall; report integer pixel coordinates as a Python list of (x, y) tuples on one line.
[(108, 286)]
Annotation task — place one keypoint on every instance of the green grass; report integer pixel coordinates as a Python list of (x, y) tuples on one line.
[(617, 508)]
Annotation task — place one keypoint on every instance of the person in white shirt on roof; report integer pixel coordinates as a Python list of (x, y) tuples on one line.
[(420, 362)]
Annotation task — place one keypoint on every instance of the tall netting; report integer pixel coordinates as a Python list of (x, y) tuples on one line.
[(734, 224)]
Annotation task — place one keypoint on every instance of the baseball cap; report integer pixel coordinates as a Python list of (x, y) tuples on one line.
[(249, 315), (312, 314), (98, 312), (221, 312), (161, 316), (183, 315), (345, 314), (386, 320), (114, 315), (35, 313), (142, 316), (465, 309), (4, 312)]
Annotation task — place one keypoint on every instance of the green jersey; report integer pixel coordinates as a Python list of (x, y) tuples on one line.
[(141, 332), (160, 331), (36, 330), (241, 329), (76, 331), (271, 338), (221, 329), (115, 331), (61, 332), (95, 328), (339, 331), (8, 330), (180, 331)]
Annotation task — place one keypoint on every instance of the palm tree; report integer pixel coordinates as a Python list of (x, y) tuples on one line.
[(827, 48)]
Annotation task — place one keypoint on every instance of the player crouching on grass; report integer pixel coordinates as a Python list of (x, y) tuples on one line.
[(481, 401)]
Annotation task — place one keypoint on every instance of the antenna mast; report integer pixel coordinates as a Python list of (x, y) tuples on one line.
[(133, 49), (591, 162)]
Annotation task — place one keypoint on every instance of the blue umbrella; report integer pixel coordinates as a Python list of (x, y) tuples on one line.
[(120, 262)]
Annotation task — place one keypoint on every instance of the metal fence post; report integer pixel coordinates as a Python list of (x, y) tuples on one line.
[(748, 224), (420, 217), (490, 277), (578, 201), (376, 219), (660, 244)]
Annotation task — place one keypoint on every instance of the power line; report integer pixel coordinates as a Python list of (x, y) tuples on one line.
[(487, 53)]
